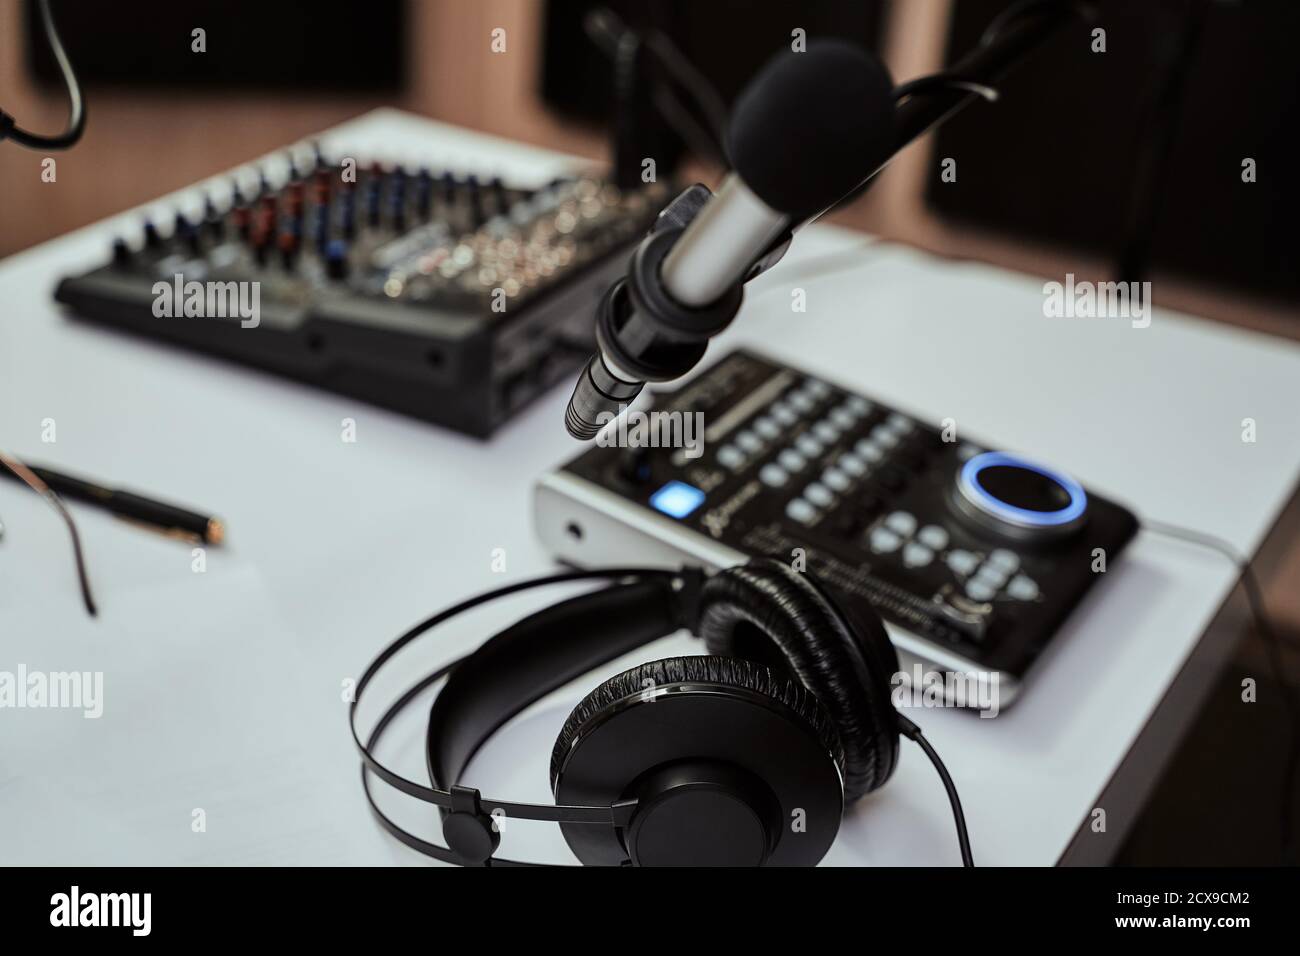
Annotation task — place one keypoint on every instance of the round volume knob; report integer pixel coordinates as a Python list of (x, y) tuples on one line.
[(1019, 498)]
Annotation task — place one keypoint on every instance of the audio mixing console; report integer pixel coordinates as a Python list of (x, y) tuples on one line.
[(443, 295)]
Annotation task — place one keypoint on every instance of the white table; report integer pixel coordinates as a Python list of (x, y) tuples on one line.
[(223, 689)]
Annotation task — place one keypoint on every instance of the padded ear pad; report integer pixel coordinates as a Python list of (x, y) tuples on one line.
[(732, 672), (768, 612)]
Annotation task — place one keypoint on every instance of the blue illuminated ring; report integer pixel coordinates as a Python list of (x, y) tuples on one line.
[(971, 489)]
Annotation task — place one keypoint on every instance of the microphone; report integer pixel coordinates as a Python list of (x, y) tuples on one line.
[(803, 134)]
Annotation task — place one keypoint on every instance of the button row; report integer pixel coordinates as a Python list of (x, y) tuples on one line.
[(784, 413)]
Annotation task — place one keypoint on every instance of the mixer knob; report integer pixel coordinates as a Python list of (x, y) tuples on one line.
[(424, 193), (289, 248), (348, 213), (336, 259), (1019, 498), (185, 233)]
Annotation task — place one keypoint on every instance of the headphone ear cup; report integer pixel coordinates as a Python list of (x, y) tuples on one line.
[(715, 754), (733, 672), (767, 612)]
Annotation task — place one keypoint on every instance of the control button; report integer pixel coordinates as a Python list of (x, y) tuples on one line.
[(917, 555), (884, 541), (677, 499), (835, 479), (802, 401), (991, 576), (827, 431), (1004, 560), (844, 418), (869, 450), (883, 436), (900, 423), (783, 413), (979, 591), (1023, 588), (901, 522), (749, 441), (854, 465), (791, 460), (819, 494), (1016, 496), (767, 428), (933, 536), (816, 388), (773, 475), (858, 405), (809, 445), (962, 562), (801, 511), (729, 456)]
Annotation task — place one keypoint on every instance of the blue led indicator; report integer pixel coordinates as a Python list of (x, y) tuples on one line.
[(969, 479), (677, 499)]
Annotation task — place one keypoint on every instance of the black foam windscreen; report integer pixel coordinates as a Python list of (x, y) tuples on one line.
[(812, 125)]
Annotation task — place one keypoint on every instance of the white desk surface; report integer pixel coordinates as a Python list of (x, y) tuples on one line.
[(223, 689)]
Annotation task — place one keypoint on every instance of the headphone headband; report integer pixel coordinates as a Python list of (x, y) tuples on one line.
[(511, 671)]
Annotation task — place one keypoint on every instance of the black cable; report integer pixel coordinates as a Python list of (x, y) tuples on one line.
[(1255, 598), (77, 111), (913, 732)]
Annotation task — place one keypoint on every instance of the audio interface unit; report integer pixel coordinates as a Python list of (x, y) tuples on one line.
[(973, 557)]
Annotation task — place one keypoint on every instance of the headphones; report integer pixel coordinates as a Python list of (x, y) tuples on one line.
[(745, 756)]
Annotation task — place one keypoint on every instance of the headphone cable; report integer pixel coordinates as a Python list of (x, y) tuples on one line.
[(9, 128), (913, 732)]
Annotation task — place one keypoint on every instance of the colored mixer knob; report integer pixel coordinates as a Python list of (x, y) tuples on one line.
[(336, 259), (288, 248), (347, 211), (242, 217), (293, 200), (424, 193), (320, 188), (373, 212)]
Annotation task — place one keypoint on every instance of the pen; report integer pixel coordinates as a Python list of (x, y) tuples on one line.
[(155, 515)]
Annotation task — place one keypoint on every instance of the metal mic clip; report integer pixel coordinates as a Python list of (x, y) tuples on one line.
[(643, 334)]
